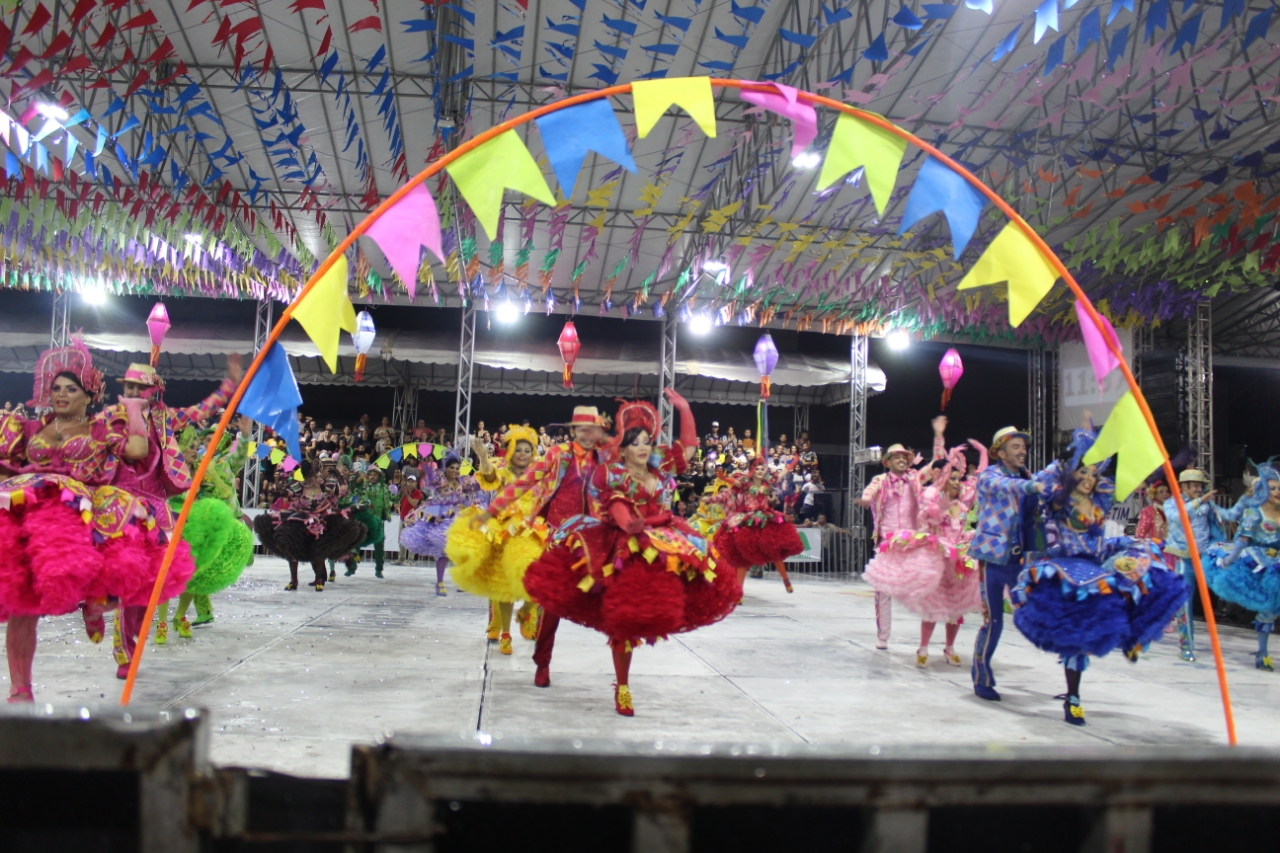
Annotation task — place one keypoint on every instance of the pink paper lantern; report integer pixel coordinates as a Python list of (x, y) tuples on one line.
[(157, 327), (766, 359), (951, 369), (569, 347)]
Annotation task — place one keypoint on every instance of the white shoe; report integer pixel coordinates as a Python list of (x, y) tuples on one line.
[(882, 644)]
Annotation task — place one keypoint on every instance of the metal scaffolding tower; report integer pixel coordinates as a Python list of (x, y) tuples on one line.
[(1037, 410), (800, 418), (58, 334), (466, 360), (1199, 365), (856, 515), (667, 375), (251, 481)]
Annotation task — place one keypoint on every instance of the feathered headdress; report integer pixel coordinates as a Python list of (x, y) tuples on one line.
[(521, 433), (74, 359), (1261, 492), (637, 413)]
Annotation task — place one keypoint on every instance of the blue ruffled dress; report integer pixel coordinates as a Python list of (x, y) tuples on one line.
[(1247, 571), (1086, 593)]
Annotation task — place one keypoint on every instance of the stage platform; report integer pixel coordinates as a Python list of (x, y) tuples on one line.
[(293, 679)]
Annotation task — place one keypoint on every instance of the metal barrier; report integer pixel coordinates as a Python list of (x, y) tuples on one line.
[(139, 780)]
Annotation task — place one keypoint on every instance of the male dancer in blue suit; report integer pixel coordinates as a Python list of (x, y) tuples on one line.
[(1007, 499)]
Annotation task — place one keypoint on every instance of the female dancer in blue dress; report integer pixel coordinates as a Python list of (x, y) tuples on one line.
[(1085, 593), (1246, 571)]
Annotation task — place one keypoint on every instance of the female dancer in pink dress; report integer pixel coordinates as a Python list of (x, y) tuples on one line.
[(66, 536), (944, 515)]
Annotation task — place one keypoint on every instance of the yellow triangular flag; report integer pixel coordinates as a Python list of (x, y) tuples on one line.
[(276, 456), (858, 143), (326, 310), (1126, 433), (652, 98), (503, 163), (1012, 257)]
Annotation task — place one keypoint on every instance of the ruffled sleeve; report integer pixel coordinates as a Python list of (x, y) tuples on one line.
[(669, 458)]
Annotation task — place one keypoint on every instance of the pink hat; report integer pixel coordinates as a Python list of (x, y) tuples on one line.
[(74, 359)]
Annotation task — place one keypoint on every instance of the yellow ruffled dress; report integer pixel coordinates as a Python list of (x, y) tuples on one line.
[(491, 561)]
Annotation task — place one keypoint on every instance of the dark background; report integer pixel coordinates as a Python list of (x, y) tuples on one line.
[(992, 393)]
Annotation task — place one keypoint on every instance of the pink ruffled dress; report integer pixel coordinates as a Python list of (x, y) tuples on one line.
[(66, 534)]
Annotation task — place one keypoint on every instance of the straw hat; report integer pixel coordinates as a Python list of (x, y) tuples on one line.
[(1192, 475), (1007, 433), (896, 448), (141, 374)]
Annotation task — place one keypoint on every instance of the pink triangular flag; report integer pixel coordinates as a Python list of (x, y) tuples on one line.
[(1100, 356), (401, 232), (804, 119)]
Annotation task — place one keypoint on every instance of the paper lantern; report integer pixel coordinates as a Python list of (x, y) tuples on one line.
[(569, 347), (362, 340), (951, 368), (766, 356), (157, 327)]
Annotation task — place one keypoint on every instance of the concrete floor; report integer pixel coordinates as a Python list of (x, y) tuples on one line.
[(292, 679)]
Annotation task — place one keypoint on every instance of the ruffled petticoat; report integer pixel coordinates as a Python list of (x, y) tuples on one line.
[(640, 588), (757, 539), (492, 562), (1077, 606), (63, 543), (1251, 580)]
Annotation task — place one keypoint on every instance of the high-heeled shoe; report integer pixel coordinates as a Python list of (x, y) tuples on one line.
[(122, 671), (162, 633), (21, 697), (492, 634), (95, 625), (440, 589), (950, 656), (542, 676), (292, 586), (504, 645), (1261, 661), (622, 700), (1072, 710), (333, 575), (184, 628), (922, 658)]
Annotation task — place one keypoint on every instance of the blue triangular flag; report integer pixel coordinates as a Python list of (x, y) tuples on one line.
[(1157, 17), (1053, 58), (1258, 26), (272, 398), (567, 136), (1090, 30), (1116, 6), (1007, 44), (1188, 33), (907, 19), (878, 51), (937, 187), (1046, 19), (1115, 51)]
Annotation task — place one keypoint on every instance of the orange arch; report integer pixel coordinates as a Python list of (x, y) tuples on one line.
[(716, 83)]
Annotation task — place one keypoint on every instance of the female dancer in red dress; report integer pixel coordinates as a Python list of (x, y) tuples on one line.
[(632, 569), (753, 532)]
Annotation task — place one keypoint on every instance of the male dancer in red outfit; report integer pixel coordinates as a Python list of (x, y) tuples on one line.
[(560, 481)]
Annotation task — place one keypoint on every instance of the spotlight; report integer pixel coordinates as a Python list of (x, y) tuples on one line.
[(715, 267), (93, 293), (898, 339), (194, 239), (700, 324), (806, 160), (52, 111), (507, 312)]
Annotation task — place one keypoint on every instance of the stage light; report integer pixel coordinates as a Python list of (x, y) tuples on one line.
[(507, 312), (93, 293), (700, 324), (194, 239), (806, 160), (715, 267), (898, 339), (52, 111)]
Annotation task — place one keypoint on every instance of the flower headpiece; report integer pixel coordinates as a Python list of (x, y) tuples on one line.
[(1261, 491), (521, 433), (74, 359)]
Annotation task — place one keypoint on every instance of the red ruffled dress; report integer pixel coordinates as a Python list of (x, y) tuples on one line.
[(663, 580), (66, 536), (753, 533)]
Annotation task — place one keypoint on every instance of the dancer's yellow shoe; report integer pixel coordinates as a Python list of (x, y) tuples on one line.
[(622, 701), (184, 628), (505, 645), (162, 633), (922, 658)]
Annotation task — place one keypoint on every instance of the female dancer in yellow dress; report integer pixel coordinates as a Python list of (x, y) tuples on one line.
[(491, 561)]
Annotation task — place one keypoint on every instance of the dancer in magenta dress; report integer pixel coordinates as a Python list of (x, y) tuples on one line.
[(68, 537), (753, 533)]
